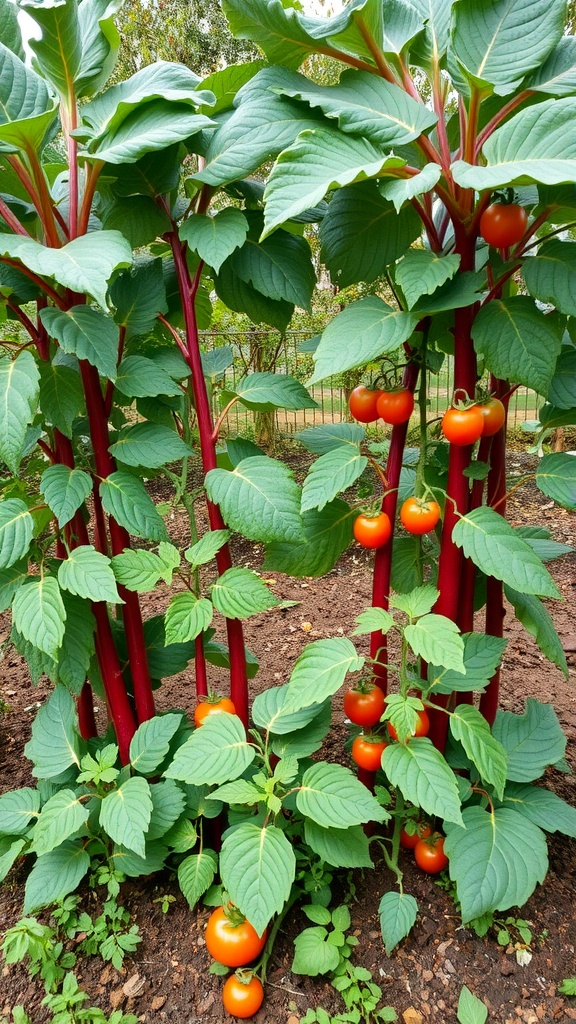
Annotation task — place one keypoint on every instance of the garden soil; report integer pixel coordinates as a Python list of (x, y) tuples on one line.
[(167, 981)]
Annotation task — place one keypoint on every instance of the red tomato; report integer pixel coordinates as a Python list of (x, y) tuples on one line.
[(362, 404), (494, 415), (463, 426), (429, 854), (422, 726), (418, 516), (372, 531), (364, 704), (503, 224), (408, 840), (232, 944), (242, 998), (395, 406), (367, 752), (212, 706)]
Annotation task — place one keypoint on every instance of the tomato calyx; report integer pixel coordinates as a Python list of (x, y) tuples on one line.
[(409, 839), (244, 975), (233, 915)]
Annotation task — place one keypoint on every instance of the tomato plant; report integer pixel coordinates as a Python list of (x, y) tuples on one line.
[(367, 752), (422, 726), (212, 705), (362, 404), (231, 939), (372, 531), (242, 995), (429, 854), (494, 415), (419, 516), (395, 406), (409, 840), (503, 224), (364, 704), (463, 426)]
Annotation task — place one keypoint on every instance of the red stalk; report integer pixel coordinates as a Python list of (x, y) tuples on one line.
[(200, 666), (86, 717)]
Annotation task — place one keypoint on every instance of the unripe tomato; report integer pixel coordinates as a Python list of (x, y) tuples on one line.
[(395, 406), (418, 516), (212, 706), (409, 840), (494, 415), (364, 704), (422, 726), (242, 998), (372, 531), (503, 224), (367, 752), (429, 854), (362, 404), (463, 426), (233, 945)]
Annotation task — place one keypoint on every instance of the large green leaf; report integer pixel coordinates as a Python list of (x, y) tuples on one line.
[(139, 296), (313, 953), (125, 814), (532, 741), (551, 275), (331, 474), (268, 712), (61, 816), (332, 796), (140, 570), (397, 912), (319, 160), (215, 753), (495, 547), (362, 332), (19, 389), (58, 53), (324, 536), (562, 390), (272, 391), (215, 238), (17, 808), (168, 805), (187, 616), (276, 29), (125, 497), (258, 867), (86, 333), (55, 744), (100, 43), (153, 126), (518, 341), (482, 655), (342, 848), (471, 729), (280, 267), (423, 777), (55, 874), (259, 497), (61, 395), (320, 671), (532, 146), (151, 742), (243, 298), (75, 654), (432, 45), (496, 860), (28, 107), (437, 639), (10, 28), (196, 874), (239, 593), (65, 490), (16, 529), (557, 76), (39, 614), (421, 272), (330, 436), (399, 190), (556, 477), (10, 849), (541, 807), (150, 445), (306, 741), (140, 377), (537, 620), (88, 573)]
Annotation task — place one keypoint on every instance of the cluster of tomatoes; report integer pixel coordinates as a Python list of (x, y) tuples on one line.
[(367, 405), (468, 423), (232, 941), (428, 848), (417, 515)]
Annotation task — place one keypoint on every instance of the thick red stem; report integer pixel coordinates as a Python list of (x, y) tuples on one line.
[(200, 666), (86, 716)]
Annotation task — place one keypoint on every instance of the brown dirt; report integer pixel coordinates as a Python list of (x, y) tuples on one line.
[(422, 979)]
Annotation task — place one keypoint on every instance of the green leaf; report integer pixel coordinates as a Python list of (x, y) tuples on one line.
[(151, 742), (329, 436), (10, 580), (17, 808), (551, 275), (182, 837), (417, 602), (62, 815), (241, 297), (65, 490), (58, 52), (557, 76), (332, 796), (207, 547), (19, 389), (61, 395), (257, 866), (277, 30), (518, 341), (539, 541), (55, 874), (16, 529), (499, 43), (423, 777), (437, 639), (496, 860), (100, 43), (361, 333), (432, 44), (325, 535), (562, 390), (537, 620), (274, 391), (371, 620), (39, 615), (268, 712), (280, 267), (168, 803), (215, 238), (319, 160), (140, 570), (406, 564), (215, 753), (153, 126), (482, 655), (320, 671), (88, 574), (139, 219), (313, 953), (259, 497), (239, 593), (342, 848), (187, 616), (471, 1010), (556, 477), (149, 445), (196, 874), (495, 547), (400, 190), (421, 272), (132, 865), (331, 474), (531, 146), (86, 333), (471, 729), (125, 498), (139, 377), (125, 814), (138, 296), (29, 106), (532, 741), (541, 807), (397, 912), (238, 792), (10, 850), (10, 28), (304, 741)]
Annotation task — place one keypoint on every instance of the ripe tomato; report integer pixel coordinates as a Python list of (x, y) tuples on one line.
[(463, 426), (372, 531), (395, 406), (429, 854), (212, 706), (364, 704), (418, 516), (362, 404), (408, 840), (422, 726), (233, 944), (494, 415), (503, 224), (367, 752), (242, 998)]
